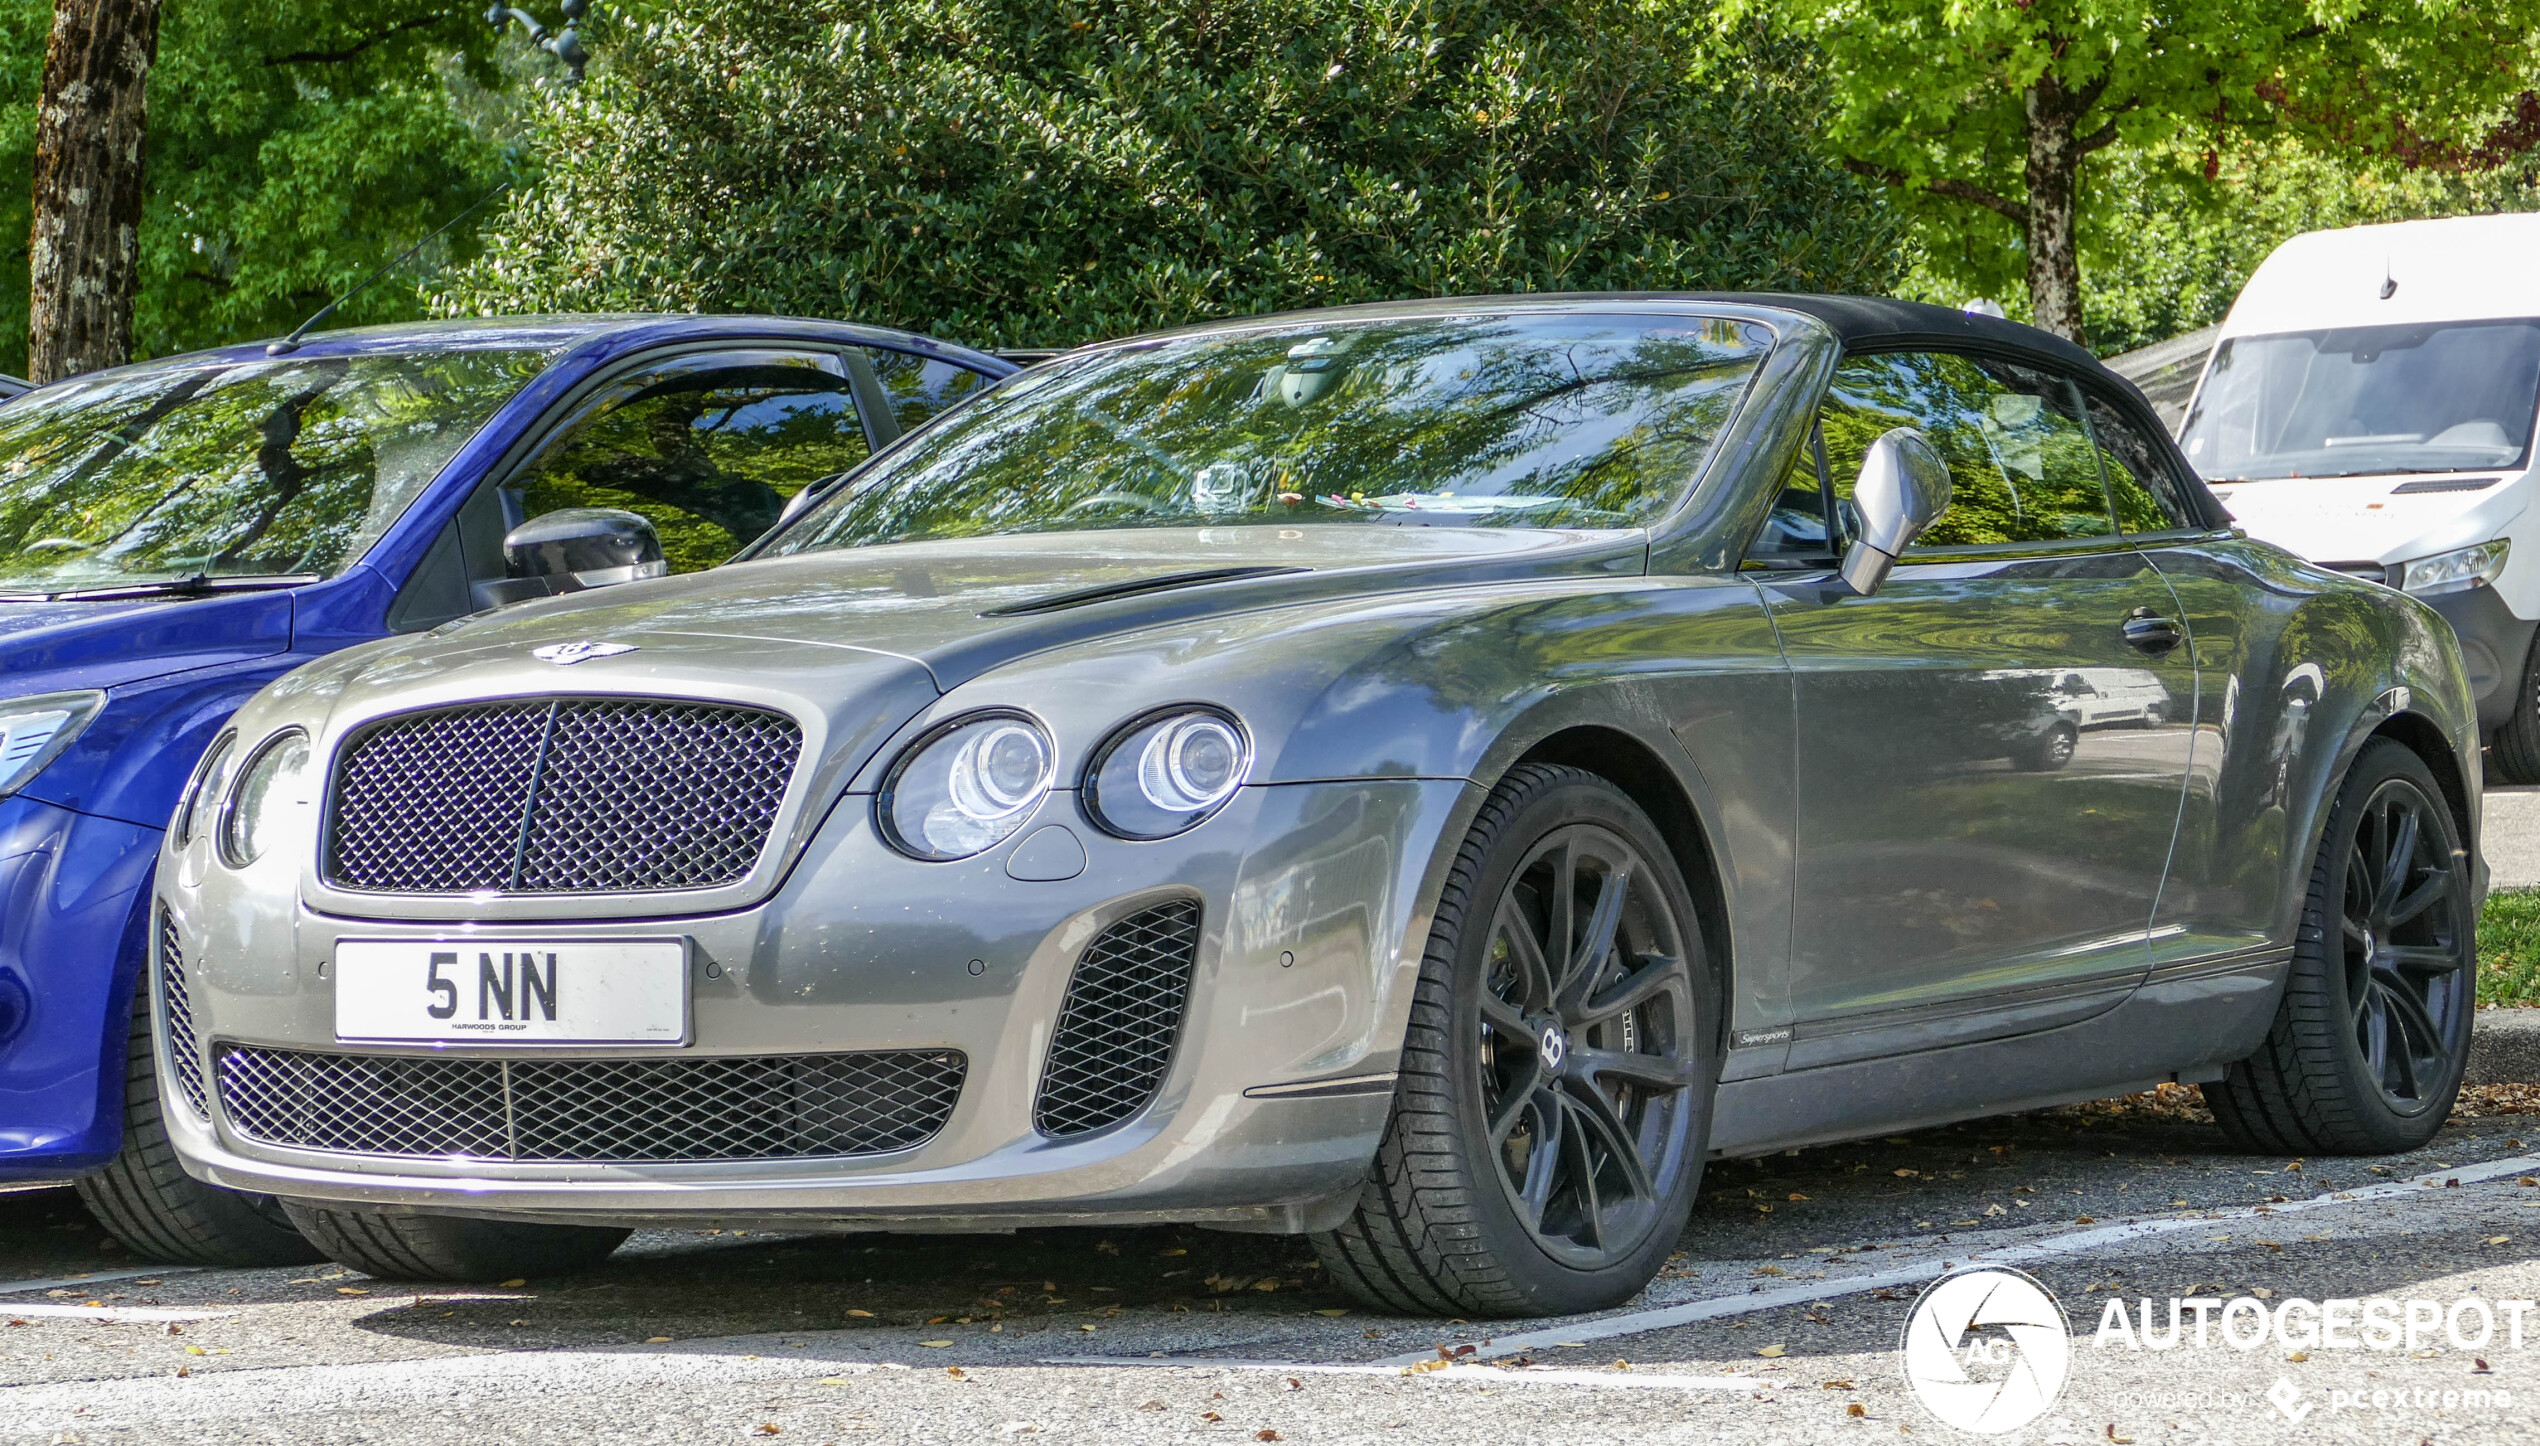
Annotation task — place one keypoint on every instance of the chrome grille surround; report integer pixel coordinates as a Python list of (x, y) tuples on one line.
[(558, 795), (1122, 1016), (594, 1111), (184, 1048)]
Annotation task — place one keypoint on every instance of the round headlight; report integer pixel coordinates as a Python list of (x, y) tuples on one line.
[(966, 787), (254, 808), (203, 786), (1166, 772)]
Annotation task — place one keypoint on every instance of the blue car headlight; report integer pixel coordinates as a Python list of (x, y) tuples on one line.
[(967, 786), (34, 731), (1167, 772)]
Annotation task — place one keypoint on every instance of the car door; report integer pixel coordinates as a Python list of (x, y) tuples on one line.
[(2223, 893), (707, 445), (1975, 856)]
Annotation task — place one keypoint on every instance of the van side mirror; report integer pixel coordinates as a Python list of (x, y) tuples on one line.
[(576, 549), (1903, 489)]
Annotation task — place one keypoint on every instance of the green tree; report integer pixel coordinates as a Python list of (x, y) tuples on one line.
[(1985, 113), (294, 147), (1038, 172)]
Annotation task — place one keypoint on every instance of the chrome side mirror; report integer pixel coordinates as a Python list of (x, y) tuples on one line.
[(575, 549), (1903, 489)]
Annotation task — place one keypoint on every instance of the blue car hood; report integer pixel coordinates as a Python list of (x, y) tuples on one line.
[(50, 646)]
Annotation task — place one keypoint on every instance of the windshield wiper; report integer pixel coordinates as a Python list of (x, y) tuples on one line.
[(201, 584)]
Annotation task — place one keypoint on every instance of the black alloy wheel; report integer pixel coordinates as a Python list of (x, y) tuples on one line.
[(1584, 1022), (2371, 1037), (2406, 960), (1549, 1128)]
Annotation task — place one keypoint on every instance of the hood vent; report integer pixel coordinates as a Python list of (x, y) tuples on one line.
[(1083, 597), (2446, 484)]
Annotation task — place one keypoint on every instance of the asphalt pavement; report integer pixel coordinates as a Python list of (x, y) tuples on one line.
[(1778, 1320)]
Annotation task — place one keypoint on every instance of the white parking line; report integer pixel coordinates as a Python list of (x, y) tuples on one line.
[(67, 1282), (109, 1314), (1931, 1266), (1495, 1375)]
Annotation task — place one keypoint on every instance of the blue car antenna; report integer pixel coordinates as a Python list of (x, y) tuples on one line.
[(291, 343)]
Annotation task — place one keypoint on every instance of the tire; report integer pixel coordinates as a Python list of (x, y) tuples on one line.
[(2371, 1037), (1448, 1223), (2513, 750), (402, 1245), (2050, 750), (145, 1199)]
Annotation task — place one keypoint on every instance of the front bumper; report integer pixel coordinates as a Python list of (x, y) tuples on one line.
[(70, 889), (2494, 647), (1313, 916)]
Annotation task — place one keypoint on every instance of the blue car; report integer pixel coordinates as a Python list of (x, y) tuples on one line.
[(175, 535)]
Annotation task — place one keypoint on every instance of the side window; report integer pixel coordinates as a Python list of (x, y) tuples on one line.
[(2141, 486), (919, 387), (2021, 464), (708, 448)]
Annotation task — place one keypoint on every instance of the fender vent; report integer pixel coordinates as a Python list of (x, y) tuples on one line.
[(1116, 1031)]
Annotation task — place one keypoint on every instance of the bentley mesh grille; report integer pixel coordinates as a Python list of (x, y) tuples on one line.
[(185, 1054), (1117, 1028), (572, 795), (753, 1107)]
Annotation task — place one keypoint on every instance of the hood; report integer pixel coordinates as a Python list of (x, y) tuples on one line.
[(2376, 519), (46, 646), (957, 608)]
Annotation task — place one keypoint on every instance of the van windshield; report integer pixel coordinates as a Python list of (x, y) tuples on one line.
[(2357, 401), (282, 469)]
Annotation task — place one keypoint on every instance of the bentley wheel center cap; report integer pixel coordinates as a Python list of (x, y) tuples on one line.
[(1556, 1046)]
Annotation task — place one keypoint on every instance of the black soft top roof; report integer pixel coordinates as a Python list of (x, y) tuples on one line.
[(1885, 321)]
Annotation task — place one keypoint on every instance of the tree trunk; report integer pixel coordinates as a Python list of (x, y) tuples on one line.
[(2054, 174), (86, 243)]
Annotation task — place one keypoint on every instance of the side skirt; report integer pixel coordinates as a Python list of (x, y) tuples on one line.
[(2186, 1023)]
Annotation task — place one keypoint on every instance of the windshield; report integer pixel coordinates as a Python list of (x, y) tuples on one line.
[(237, 469), (2447, 397), (1472, 421)]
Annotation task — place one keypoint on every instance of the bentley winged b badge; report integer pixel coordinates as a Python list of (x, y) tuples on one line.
[(565, 655)]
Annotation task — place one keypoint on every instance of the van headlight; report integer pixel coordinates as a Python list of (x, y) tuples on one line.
[(2455, 571), (1167, 772), (253, 811), (34, 731), (966, 787)]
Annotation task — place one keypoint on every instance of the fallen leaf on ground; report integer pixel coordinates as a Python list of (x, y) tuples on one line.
[(1771, 1350), (514, 1283), (861, 1314), (1265, 1434), (339, 1290), (767, 1428), (1331, 1310), (657, 1340), (1835, 1386), (1856, 1409), (934, 1345)]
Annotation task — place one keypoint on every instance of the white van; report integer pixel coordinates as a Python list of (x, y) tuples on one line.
[(2370, 406)]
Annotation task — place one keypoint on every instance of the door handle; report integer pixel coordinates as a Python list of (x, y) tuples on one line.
[(2150, 632)]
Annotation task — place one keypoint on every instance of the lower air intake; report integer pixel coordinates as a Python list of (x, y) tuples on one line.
[(1117, 1028), (751, 1107), (185, 1053)]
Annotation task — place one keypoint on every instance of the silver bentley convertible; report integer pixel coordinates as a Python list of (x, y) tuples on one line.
[(1423, 776)]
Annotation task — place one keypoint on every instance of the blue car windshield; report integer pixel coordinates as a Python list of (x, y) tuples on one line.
[(289, 467), (1569, 420)]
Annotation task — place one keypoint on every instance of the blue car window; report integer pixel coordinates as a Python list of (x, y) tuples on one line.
[(1582, 420), (920, 387), (232, 469), (708, 448), (2021, 464)]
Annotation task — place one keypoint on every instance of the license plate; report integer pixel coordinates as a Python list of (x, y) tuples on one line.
[(512, 991)]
